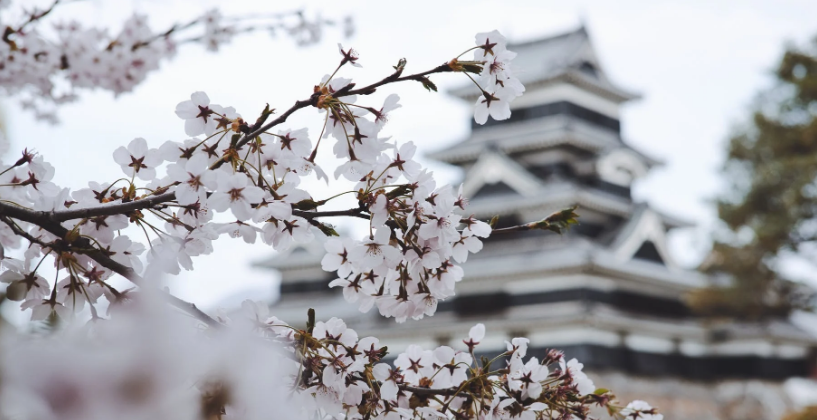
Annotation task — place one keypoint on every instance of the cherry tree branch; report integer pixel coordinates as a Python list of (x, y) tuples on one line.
[(309, 215), (105, 209), (419, 77), (429, 391), (84, 246)]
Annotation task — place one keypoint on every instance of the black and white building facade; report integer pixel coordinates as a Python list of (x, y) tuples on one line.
[(608, 292)]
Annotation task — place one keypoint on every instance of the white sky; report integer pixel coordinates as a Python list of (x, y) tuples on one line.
[(698, 64)]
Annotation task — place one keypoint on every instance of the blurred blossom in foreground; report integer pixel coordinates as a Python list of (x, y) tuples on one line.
[(148, 362)]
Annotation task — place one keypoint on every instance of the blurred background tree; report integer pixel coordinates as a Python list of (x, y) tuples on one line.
[(770, 206), (808, 413)]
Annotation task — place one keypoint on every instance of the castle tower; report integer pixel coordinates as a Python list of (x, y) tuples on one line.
[(607, 292)]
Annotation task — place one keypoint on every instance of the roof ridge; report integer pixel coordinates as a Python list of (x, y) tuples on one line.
[(557, 37)]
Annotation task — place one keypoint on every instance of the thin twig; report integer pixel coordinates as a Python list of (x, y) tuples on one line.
[(517, 228), (19, 232)]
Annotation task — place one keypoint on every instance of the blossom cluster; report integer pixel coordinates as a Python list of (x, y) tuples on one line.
[(48, 68), (500, 85), (148, 363), (406, 271), (404, 264), (338, 370)]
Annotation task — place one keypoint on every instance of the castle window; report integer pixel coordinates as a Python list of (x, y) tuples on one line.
[(649, 252), (589, 69)]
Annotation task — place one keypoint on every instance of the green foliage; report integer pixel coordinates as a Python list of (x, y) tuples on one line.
[(772, 167), (560, 221)]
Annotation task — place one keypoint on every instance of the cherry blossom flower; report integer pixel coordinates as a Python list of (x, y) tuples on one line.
[(43, 308), (489, 104), (475, 335), (574, 369), (337, 256), (335, 329), (443, 222), (466, 245), (350, 56), (529, 378), (398, 307), (389, 104), (476, 227), (454, 367), (137, 159), (415, 363), (640, 410), (194, 177), (518, 348), (286, 232), (295, 142), (239, 229), (269, 209), (380, 210), (489, 43), (403, 160), (75, 293), (103, 227), (52, 199), (357, 289), (235, 193), (174, 151), (375, 250), (126, 252), (199, 117), (388, 378), (29, 286)]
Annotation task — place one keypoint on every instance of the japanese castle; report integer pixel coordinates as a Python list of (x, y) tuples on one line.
[(607, 292)]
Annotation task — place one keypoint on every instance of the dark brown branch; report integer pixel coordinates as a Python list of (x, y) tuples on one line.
[(368, 90), (37, 217), (84, 246), (309, 215), (280, 120), (108, 209), (429, 391)]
